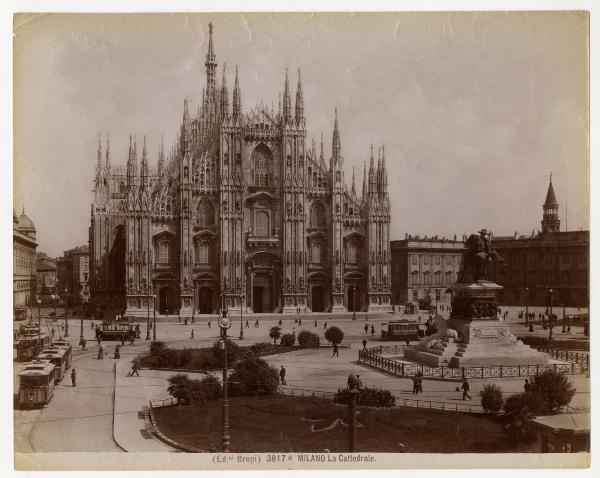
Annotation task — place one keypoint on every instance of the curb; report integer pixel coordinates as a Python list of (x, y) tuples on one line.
[(114, 400), (169, 441)]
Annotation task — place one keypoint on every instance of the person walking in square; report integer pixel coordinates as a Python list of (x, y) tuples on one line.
[(209, 324), (465, 388), (192, 334), (123, 340), (366, 328), (117, 352), (527, 386), (415, 380), (101, 353), (82, 342), (73, 378), (419, 382), (335, 351), (299, 321), (282, 375), (364, 342), (134, 369), (372, 329), (132, 341)]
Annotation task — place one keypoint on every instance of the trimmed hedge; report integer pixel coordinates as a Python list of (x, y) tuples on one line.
[(308, 340), (368, 396)]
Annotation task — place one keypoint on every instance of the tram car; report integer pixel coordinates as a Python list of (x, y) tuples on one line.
[(30, 341), (400, 330), (59, 358), (57, 348), (63, 343), (36, 383), (410, 308), (117, 330)]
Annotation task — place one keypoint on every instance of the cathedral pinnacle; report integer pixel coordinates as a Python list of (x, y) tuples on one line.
[(287, 101), (299, 100), (224, 94), (336, 147), (107, 151), (211, 65), (99, 151), (237, 96)]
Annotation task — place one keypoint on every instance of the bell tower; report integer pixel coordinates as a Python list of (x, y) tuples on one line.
[(550, 220)]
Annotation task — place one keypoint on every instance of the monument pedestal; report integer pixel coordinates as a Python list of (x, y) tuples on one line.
[(474, 335)]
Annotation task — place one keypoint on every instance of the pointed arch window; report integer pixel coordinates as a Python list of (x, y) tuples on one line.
[(202, 252), (352, 255), (317, 215), (164, 252), (262, 166), (206, 213)]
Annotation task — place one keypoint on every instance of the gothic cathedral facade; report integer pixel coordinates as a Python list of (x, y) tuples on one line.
[(242, 213)]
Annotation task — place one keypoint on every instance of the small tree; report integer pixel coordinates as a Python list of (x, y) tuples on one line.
[(554, 390), (307, 339), (157, 348), (253, 376), (288, 339), (180, 388), (519, 409), (275, 333), (491, 398), (233, 352), (209, 388), (334, 335)]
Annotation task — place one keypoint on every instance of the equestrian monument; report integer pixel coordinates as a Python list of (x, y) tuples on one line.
[(475, 334)]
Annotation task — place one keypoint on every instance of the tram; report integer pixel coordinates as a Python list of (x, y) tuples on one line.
[(59, 358), (30, 341), (36, 383), (56, 348), (400, 330), (117, 330)]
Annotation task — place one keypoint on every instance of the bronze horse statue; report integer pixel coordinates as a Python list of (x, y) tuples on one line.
[(479, 254)]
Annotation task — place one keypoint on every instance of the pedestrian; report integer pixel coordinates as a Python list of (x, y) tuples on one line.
[(335, 351), (132, 340), (192, 334), (419, 382), (366, 328), (92, 325), (101, 353), (299, 321), (256, 323), (73, 378), (465, 388), (282, 375), (366, 316), (82, 342), (117, 352), (122, 339), (52, 332), (419, 319), (247, 324), (134, 369), (325, 326), (364, 342), (208, 324), (527, 386), (415, 380), (98, 339), (185, 321), (568, 329), (358, 382), (407, 343), (315, 322), (280, 322), (372, 329)]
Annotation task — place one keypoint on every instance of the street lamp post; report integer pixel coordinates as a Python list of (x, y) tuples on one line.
[(224, 324), (526, 306), (353, 392), (38, 301), (148, 314), (550, 317), (353, 302), (81, 323), (153, 315), (66, 320), (241, 318), (193, 302)]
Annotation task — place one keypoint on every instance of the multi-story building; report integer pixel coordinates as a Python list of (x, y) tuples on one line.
[(46, 277), (24, 265), (551, 260), (244, 212), (73, 273), (424, 268)]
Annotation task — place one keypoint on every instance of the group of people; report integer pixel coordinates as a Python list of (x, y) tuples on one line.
[(417, 383), (366, 328)]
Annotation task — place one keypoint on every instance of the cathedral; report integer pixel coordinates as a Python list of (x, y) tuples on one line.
[(242, 213)]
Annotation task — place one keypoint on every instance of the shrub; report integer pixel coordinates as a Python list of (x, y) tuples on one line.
[(368, 396), (261, 347), (308, 340), (491, 398), (275, 333), (157, 347), (519, 409), (253, 376), (209, 388), (180, 387), (288, 339), (233, 352), (554, 390), (334, 335), (430, 329)]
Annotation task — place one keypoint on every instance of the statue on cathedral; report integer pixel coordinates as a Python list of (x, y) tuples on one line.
[(478, 256)]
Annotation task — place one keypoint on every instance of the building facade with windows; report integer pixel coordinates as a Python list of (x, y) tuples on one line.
[(551, 265), (24, 265), (46, 277), (424, 268), (243, 212), (73, 273)]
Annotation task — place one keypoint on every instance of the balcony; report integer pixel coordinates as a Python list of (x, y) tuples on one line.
[(258, 241)]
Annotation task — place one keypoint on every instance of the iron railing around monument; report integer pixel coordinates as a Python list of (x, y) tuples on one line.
[(375, 358)]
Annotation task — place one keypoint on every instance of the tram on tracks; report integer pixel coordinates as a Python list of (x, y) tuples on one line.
[(400, 330), (30, 341), (36, 383), (59, 358), (57, 348), (118, 329)]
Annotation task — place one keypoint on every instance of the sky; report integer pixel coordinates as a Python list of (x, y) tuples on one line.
[(475, 109)]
